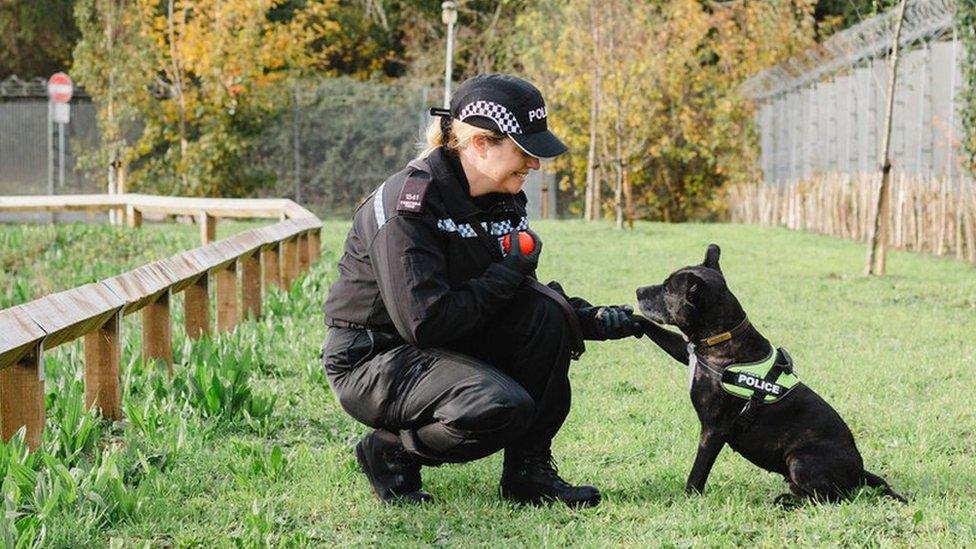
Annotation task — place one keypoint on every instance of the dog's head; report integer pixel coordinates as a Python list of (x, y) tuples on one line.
[(693, 298)]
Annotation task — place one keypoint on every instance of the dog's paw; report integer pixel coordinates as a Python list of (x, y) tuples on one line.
[(787, 501)]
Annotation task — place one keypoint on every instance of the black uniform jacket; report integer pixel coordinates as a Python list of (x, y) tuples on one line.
[(422, 257)]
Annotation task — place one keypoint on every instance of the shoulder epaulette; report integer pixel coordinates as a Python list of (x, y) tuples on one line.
[(412, 193)]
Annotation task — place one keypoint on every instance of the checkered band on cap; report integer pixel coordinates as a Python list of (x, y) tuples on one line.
[(502, 117)]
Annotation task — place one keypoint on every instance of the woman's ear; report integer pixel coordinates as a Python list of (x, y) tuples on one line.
[(480, 144)]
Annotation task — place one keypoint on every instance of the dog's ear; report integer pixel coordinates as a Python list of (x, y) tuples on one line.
[(711, 257), (693, 286)]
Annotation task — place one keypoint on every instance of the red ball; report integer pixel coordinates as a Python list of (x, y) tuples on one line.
[(526, 244)]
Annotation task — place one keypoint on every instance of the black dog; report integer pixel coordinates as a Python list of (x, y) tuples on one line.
[(745, 393)]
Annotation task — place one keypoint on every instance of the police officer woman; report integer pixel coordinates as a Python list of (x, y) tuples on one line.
[(442, 343)]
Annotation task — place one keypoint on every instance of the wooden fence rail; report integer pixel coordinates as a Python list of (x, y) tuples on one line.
[(253, 261), (132, 206), (930, 215)]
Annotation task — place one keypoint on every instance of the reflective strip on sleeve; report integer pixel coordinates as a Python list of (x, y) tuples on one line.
[(378, 210)]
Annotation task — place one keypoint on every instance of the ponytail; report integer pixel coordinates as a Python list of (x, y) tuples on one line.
[(453, 135)]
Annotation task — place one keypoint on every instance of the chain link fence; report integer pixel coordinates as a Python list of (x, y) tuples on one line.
[(333, 142), (339, 139), (30, 161), (27, 138)]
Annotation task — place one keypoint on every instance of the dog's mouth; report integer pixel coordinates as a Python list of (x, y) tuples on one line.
[(651, 304), (654, 315)]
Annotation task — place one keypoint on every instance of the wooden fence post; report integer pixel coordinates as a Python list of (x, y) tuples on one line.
[(196, 307), (157, 338), (133, 217), (226, 280), (315, 244), (22, 398), (251, 286), (289, 262), (103, 353), (271, 266), (304, 254), (208, 227)]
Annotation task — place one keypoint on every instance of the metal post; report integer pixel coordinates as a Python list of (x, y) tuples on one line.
[(851, 123), (921, 108), (449, 66), (864, 141), (50, 154), (296, 143), (952, 104), (791, 135), (422, 122), (816, 147), (449, 17), (61, 156)]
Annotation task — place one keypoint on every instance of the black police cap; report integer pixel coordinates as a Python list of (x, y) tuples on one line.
[(509, 105)]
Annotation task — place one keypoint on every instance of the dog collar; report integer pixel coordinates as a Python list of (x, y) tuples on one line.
[(725, 336)]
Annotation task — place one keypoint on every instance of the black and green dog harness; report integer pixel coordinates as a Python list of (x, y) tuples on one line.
[(759, 383), (767, 380)]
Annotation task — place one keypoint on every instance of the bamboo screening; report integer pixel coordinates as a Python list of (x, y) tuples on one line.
[(928, 215), (93, 312)]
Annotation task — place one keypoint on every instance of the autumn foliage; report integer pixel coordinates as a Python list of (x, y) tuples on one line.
[(195, 82), (652, 87), (646, 93)]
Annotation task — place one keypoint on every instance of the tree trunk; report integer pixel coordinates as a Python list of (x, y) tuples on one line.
[(629, 200), (618, 168), (592, 198), (177, 87), (111, 136), (878, 243)]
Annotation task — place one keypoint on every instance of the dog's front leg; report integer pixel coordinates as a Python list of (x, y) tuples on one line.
[(670, 342), (709, 445)]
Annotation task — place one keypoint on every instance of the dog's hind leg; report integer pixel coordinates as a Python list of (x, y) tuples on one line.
[(814, 483), (874, 481)]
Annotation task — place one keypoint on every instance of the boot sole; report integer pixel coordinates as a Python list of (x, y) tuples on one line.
[(413, 497), (538, 500)]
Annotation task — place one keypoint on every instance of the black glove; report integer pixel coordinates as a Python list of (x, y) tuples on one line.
[(609, 322), (519, 262)]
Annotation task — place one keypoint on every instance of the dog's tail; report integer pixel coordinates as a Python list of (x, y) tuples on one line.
[(874, 481)]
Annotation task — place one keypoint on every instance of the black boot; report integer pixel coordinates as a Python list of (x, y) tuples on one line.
[(532, 478), (391, 470)]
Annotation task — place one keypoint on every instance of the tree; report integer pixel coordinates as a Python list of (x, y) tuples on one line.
[(835, 15), (110, 65), (878, 243), (673, 127), (202, 77), (36, 37)]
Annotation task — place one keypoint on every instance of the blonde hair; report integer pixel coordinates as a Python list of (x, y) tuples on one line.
[(460, 135)]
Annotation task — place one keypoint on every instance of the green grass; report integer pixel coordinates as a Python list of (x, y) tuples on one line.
[(893, 355), (36, 260)]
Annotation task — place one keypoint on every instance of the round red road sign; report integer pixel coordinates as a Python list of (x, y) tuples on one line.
[(60, 87)]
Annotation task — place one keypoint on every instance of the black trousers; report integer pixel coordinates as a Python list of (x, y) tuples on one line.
[(505, 386)]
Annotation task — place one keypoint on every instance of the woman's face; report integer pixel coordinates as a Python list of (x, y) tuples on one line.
[(504, 167)]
